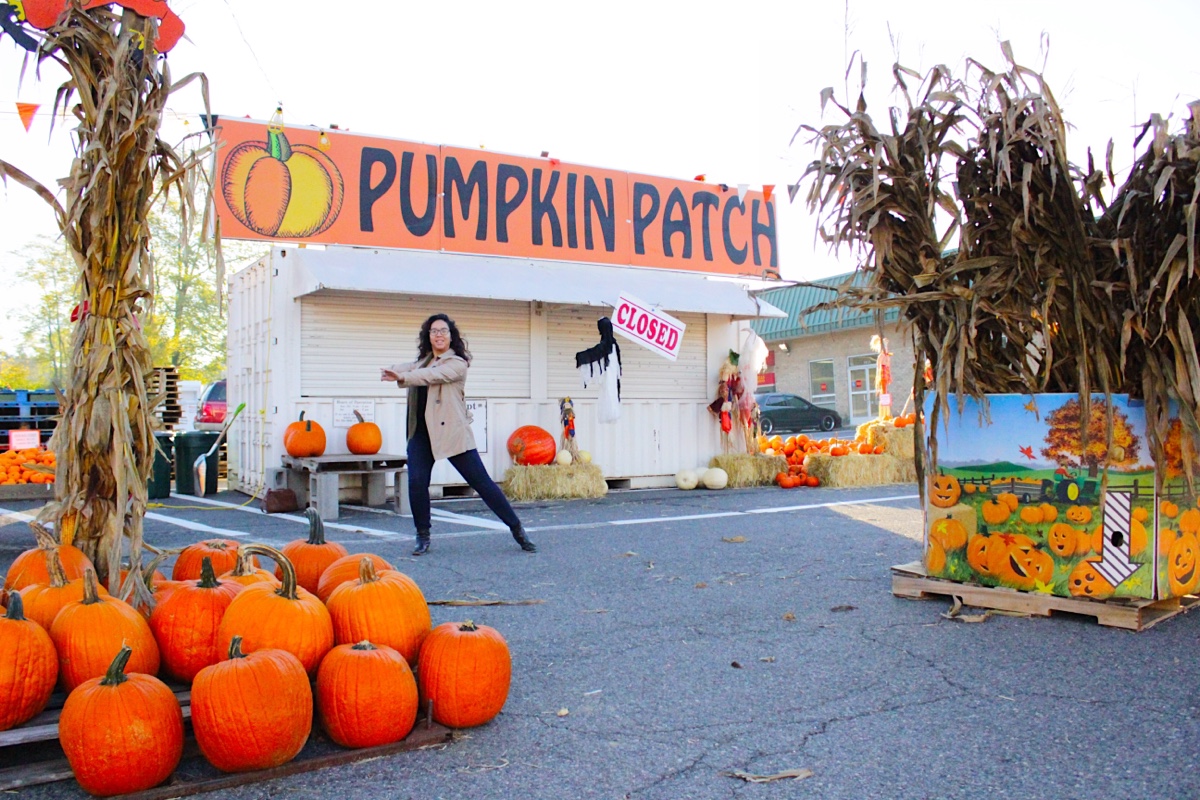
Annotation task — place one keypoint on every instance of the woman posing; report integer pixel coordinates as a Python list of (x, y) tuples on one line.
[(439, 426)]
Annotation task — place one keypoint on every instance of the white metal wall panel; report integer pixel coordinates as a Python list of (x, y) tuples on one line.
[(647, 375), (347, 337)]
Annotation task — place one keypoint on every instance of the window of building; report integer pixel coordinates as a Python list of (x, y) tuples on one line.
[(822, 387)]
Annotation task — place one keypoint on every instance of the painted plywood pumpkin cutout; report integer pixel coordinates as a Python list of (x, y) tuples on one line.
[(944, 491)]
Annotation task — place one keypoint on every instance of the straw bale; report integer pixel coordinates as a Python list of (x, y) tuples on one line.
[(858, 470), (744, 469), (554, 482), (897, 442)]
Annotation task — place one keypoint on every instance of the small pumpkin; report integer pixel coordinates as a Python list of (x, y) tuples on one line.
[(253, 710), (715, 478), (43, 601), (304, 438), (1080, 515), (995, 512), (222, 552), (564, 458), (30, 567), (1031, 515), (530, 445), (1168, 509), (185, 624), (346, 569), (949, 533), (944, 490), (28, 666), (935, 558), (1085, 581), (686, 479), (88, 634), (366, 695), (363, 438), (312, 556), (121, 733), (386, 608), (1189, 521), (1063, 540), (1010, 500), (286, 618), (464, 671), (1049, 512)]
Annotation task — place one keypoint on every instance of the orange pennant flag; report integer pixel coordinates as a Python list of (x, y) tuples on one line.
[(767, 189), (26, 112)]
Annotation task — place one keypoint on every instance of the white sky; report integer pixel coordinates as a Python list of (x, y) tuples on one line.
[(661, 88)]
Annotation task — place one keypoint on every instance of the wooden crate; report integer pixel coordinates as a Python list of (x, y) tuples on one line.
[(911, 581)]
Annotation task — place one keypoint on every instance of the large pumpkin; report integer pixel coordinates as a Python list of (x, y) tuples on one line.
[(1086, 581), (366, 695), (1183, 564), (346, 569), (89, 633), (312, 556), (121, 733), (285, 618), (28, 666), (222, 552), (276, 188), (30, 567), (304, 438), (363, 438), (464, 671), (530, 445), (387, 608), (252, 711), (43, 601), (185, 624), (1024, 567), (949, 533)]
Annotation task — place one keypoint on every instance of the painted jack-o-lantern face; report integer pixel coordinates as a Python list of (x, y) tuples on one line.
[(1062, 539), (1081, 515), (978, 548), (1024, 567), (949, 533), (944, 490), (1183, 571), (1085, 581)]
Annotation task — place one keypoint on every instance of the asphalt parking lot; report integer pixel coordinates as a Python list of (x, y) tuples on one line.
[(683, 636)]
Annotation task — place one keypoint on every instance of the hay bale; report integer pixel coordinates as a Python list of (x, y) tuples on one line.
[(554, 482), (896, 442), (744, 469), (859, 470)]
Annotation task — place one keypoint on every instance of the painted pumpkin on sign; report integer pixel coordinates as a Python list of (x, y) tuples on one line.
[(1025, 567), (978, 554), (944, 490), (935, 558), (1183, 571), (276, 188), (949, 533), (1031, 515), (1080, 515), (1062, 539), (995, 512), (1085, 581)]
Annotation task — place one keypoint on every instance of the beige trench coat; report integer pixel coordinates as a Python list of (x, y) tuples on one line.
[(446, 415)]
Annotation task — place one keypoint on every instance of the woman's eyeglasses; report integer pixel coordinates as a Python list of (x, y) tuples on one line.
[(439, 331)]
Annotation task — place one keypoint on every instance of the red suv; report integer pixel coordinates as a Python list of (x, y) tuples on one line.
[(210, 409)]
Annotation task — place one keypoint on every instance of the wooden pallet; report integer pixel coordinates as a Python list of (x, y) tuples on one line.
[(33, 746), (911, 581)]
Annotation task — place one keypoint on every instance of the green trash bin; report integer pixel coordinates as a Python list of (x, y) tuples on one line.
[(159, 485), (189, 446)]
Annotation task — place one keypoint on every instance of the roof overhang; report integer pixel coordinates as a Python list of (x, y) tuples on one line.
[(417, 272)]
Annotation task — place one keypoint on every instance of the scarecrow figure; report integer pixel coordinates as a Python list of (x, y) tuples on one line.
[(729, 392), (602, 363), (566, 412), (883, 375), (749, 362)]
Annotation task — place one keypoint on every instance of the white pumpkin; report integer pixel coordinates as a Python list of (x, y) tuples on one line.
[(769, 452), (585, 457), (563, 458), (686, 479), (715, 478)]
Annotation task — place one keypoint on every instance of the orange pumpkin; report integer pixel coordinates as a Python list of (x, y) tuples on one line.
[(185, 624), (935, 558), (944, 490), (43, 601), (363, 438), (346, 569), (979, 549), (276, 188), (1010, 500), (1080, 515), (530, 445), (1063, 540), (1168, 509), (245, 573), (995, 512), (28, 666), (1031, 515), (30, 567), (366, 695), (1085, 581), (1049, 512), (312, 556), (386, 608), (304, 438), (223, 553), (464, 671), (1024, 567), (1189, 521), (1183, 565), (949, 533)]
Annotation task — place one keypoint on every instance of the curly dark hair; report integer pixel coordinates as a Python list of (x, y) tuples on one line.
[(457, 343)]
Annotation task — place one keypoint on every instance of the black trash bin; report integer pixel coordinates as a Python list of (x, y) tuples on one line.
[(190, 445), (159, 485)]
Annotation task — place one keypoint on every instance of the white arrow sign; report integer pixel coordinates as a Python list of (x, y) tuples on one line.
[(1116, 564)]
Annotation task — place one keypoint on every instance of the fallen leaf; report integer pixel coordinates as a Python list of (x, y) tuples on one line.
[(733, 539), (735, 665), (844, 608), (768, 659), (789, 617), (792, 774), (562, 712), (627, 554), (701, 585), (594, 611)]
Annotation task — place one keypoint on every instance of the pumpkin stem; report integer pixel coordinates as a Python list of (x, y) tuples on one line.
[(302, 416), (16, 607), (208, 578), (468, 626), (58, 578), (277, 143), (245, 565), (316, 527), (364, 645), (358, 415), (288, 588), (366, 570), (45, 539), (90, 592), (235, 648), (116, 670)]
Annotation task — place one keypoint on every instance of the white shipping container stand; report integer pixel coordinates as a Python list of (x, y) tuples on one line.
[(310, 328)]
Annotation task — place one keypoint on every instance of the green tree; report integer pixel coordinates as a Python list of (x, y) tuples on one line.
[(46, 327)]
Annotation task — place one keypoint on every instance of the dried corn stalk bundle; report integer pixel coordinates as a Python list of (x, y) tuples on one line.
[(117, 92), (1035, 297)]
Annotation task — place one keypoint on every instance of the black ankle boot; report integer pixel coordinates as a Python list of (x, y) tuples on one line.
[(523, 540), (422, 543)]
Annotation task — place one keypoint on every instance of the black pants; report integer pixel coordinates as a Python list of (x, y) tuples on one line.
[(469, 465)]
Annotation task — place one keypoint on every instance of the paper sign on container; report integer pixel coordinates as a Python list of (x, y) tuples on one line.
[(23, 439), (655, 330)]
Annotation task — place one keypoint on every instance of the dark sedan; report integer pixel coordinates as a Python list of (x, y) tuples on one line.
[(787, 412)]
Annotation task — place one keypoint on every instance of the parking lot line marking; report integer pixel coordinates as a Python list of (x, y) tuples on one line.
[(291, 517), (831, 505), (195, 526), (646, 520), (463, 519)]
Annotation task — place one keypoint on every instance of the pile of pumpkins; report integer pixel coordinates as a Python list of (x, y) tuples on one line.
[(257, 648), (305, 438), (708, 477), (532, 446), (32, 465)]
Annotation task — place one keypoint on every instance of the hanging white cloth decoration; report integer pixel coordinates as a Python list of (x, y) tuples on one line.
[(601, 365)]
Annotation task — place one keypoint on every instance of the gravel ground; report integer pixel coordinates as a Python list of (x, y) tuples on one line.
[(665, 655)]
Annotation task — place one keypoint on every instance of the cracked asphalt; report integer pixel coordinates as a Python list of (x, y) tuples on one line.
[(663, 656)]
